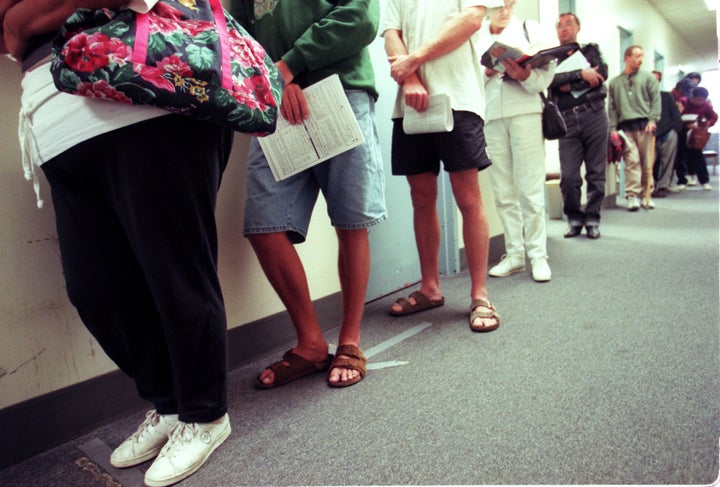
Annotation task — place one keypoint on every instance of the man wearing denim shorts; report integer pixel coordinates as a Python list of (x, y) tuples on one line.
[(309, 42), (431, 51)]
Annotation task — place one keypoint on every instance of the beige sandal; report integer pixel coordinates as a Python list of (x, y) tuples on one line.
[(483, 314)]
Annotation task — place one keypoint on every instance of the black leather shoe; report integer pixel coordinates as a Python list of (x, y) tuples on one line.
[(573, 231), (592, 231)]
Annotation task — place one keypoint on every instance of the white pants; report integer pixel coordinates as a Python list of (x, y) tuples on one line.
[(517, 175)]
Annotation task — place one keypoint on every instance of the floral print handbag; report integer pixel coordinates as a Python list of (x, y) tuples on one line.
[(189, 57)]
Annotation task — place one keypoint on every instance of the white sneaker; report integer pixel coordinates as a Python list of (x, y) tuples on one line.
[(678, 188), (188, 448), (633, 203), (650, 204), (509, 264), (692, 180), (146, 442), (540, 269), (707, 187)]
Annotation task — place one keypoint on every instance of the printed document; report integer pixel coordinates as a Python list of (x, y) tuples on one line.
[(573, 63), (331, 129), (437, 117)]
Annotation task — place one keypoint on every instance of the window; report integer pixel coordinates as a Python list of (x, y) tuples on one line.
[(660, 65), (626, 40), (566, 6)]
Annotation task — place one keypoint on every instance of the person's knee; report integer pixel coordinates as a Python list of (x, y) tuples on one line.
[(423, 197)]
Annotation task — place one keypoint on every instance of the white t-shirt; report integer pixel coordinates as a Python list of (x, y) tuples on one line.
[(458, 74)]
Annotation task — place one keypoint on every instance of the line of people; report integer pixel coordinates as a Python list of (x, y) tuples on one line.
[(134, 192)]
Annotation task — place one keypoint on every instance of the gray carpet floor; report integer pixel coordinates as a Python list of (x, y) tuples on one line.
[(608, 374)]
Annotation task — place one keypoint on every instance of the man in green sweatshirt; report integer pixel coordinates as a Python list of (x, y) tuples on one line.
[(310, 41), (634, 108)]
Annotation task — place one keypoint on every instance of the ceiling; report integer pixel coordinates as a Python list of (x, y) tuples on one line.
[(696, 25)]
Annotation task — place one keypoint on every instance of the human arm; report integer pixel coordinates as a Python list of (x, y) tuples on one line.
[(21, 22), (532, 80), (453, 34), (414, 92), (612, 111), (709, 115), (580, 79), (345, 31)]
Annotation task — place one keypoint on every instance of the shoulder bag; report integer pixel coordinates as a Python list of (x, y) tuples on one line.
[(189, 57), (553, 123)]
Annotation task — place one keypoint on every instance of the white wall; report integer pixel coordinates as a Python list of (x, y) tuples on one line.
[(45, 347)]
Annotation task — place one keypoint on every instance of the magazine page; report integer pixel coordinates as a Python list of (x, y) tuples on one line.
[(497, 52), (572, 63), (331, 129), (437, 117)]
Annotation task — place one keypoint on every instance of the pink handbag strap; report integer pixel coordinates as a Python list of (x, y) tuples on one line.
[(142, 34)]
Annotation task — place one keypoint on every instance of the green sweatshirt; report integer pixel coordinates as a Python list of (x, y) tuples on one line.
[(316, 38), (633, 98)]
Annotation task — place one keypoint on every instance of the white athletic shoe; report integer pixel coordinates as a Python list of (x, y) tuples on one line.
[(540, 269), (633, 203), (146, 442), (509, 264), (188, 448), (678, 188)]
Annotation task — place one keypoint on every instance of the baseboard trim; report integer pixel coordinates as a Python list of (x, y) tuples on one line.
[(44, 422)]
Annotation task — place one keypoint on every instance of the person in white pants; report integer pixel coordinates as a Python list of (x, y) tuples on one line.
[(516, 146)]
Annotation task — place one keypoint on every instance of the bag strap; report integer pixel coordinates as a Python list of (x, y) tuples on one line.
[(142, 34), (141, 38), (221, 25)]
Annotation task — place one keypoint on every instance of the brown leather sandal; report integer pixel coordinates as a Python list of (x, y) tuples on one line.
[(353, 360), (290, 368), (483, 314), (422, 303)]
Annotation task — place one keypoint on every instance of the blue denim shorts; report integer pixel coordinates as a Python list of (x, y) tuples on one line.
[(353, 184)]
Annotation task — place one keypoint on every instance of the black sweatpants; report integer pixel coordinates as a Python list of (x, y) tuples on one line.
[(136, 227)]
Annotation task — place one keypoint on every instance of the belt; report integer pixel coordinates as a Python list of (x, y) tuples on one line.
[(577, 109)]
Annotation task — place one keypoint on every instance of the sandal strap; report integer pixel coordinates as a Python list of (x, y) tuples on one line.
[(353, 359), (350, 351), (481, 302)]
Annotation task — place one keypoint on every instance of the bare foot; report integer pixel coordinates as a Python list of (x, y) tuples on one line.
[(487, 319)]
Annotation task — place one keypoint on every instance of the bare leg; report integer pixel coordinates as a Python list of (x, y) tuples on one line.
[(354, 271), (426, 223), (283, 268), (466, 190)]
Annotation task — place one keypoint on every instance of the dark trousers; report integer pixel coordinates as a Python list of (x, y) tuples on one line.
[(697, 164), (135, 220), (586, 140), (681, 166)]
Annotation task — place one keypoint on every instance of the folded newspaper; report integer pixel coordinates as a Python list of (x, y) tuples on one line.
[(331, 129), (437, 117)]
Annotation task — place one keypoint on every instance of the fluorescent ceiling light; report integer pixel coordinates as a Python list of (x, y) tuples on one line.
[(711, 4)]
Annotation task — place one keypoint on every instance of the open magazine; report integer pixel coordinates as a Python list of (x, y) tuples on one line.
[(331, 129), (498, 51)]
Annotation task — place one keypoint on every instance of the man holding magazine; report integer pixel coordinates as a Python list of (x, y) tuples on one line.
[(310, 41), (579, 90)]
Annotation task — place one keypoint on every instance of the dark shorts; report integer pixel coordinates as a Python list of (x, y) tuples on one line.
[(461, 149)]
